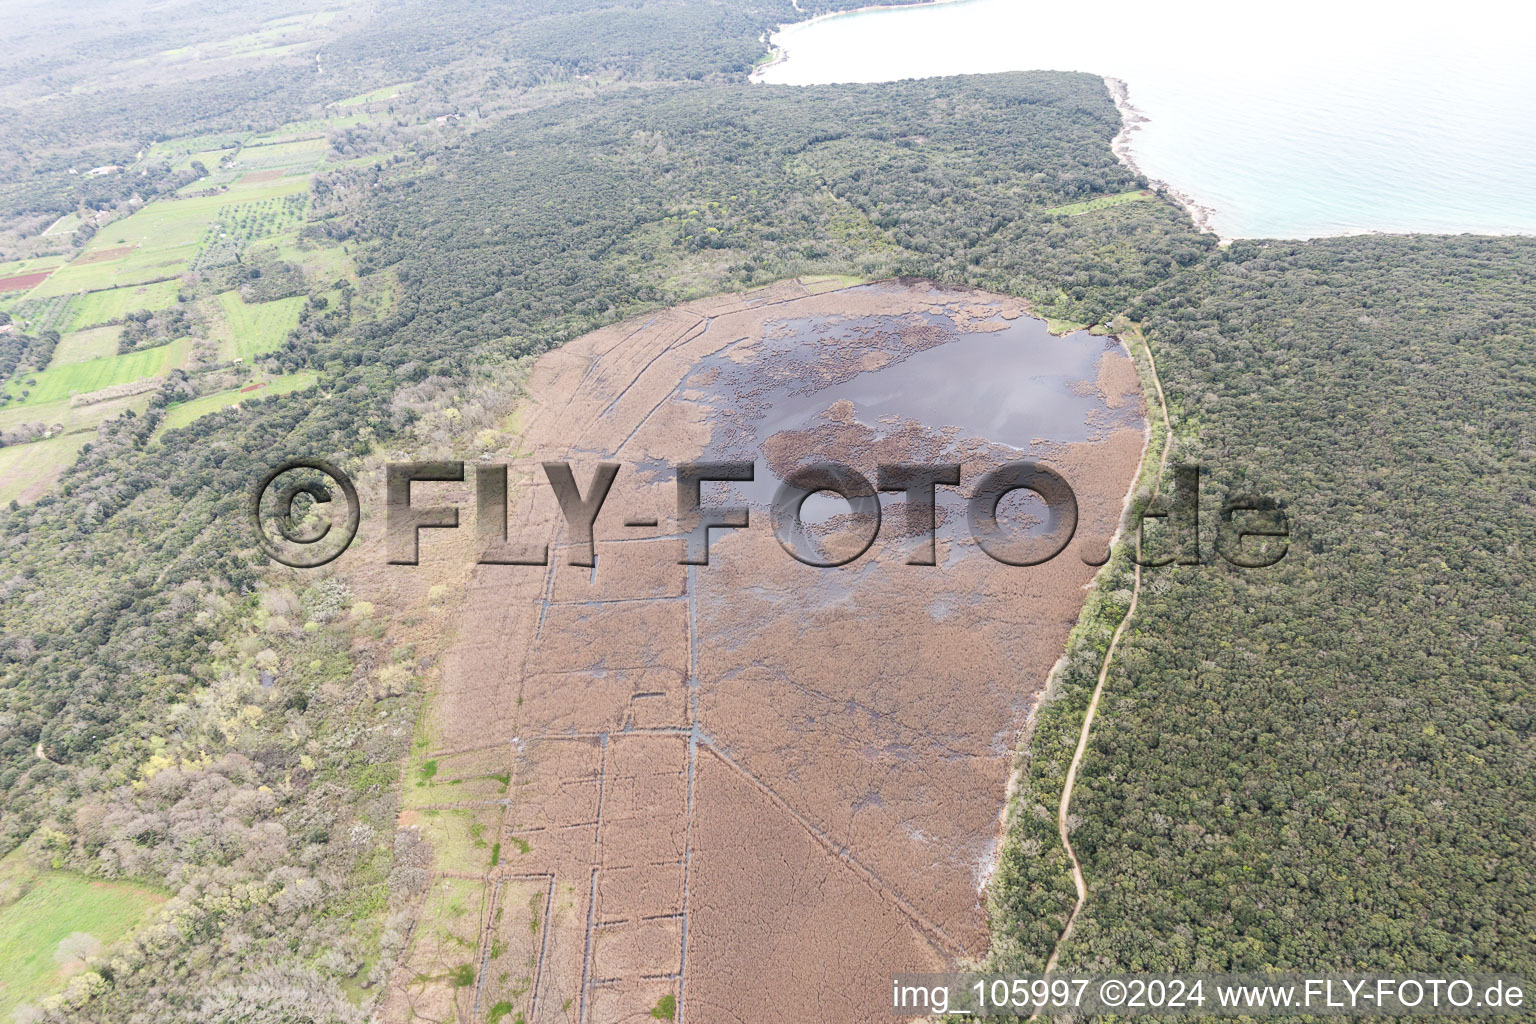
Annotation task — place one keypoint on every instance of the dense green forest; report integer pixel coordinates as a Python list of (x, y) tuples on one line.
[(1328, 762), (1325, 763)]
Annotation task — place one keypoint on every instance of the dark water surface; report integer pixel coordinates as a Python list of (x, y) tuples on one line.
[(1017, 387)]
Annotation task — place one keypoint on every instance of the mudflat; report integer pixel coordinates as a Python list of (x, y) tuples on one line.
[(753, 790)]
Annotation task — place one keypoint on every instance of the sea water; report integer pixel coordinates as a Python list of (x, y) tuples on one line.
[(1280, 120)]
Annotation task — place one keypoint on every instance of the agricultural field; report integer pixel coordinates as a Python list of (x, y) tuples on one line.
[(27, 471), (181, 414), (95, 308), (36, 315), (50, 920), (135, 264), (159, 241), (13, 274), (27, 266), (23, 282), (237, 226), (209, 149), (55, 384), (295, 154), (251, 330), (82, 346), (259, 159), (310, 129)]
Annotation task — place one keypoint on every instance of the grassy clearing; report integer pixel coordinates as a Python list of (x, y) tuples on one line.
[(82, 346), (273, 37), (96, 308), (819, 283), (442, 950), (181, 414), (1102, 203), (64, 225), (27, 471), (53, 385), (356, 161), (70, 418), (170, 149), (464, 839), (295, 131), (376, 96), (253, 330), (1060, 327), (209, 158), (324, 263), (39, 910), (282, 154), (473, 776)]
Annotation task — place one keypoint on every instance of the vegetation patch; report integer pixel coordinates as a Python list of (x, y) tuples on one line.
[(95, 375), (27, 470), (54, 924), (183, 413), (254, 329), (113, 304), (1140, 195), (83, 346)]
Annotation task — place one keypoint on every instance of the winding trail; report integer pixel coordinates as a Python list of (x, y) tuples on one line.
[(1065, 806)]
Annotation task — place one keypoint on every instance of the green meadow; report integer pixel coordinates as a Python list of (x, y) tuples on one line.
[(61, 382), (186, 412), (102, 307), (26, 472), (272, 155), (69, 418), (64, 225), (82, 346), (253, 330), (327, 263), (1103, 202), (376, 96), (48, 918)]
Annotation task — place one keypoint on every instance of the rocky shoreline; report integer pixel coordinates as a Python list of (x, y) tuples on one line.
[(1131, 120)]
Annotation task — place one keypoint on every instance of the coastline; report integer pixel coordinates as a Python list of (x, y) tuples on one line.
[(1131, 120), (781, 54), (1131, 117)]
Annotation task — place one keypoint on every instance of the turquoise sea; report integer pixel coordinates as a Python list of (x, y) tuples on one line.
[(1281, 121)]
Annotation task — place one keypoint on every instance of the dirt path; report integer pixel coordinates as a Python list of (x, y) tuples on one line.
[(1065, 806)]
